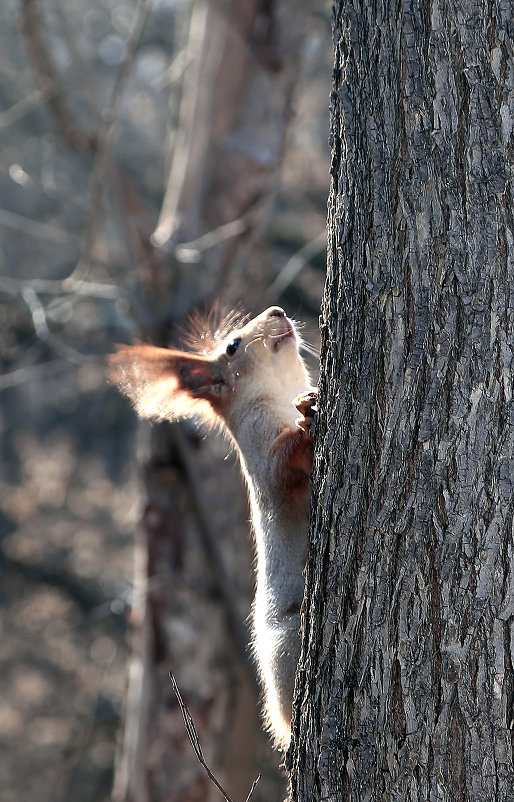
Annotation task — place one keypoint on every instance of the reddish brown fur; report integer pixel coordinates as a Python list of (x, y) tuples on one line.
[(291, 455), (167, 384)]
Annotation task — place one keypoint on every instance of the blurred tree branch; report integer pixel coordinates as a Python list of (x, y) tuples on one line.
[(103, 146), (234, 111), (33, 32), (98, 143)]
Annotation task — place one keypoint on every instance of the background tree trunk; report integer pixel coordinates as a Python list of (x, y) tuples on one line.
[(406, 683), (241, 67)]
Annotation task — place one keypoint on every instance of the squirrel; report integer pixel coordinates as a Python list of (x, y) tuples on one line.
[(252, 381)]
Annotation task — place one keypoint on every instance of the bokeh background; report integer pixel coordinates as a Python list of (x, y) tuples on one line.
[(91, 115)]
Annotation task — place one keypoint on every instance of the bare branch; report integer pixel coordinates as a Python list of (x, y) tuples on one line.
[(99, 143), (33, 31), (195, 743), (37, 312), (192, 251), (252, 789), (33, 228), (295, 264), (182, 163), (19, 109), (32, 373), (175, 71), (105, 140), (91, 289)]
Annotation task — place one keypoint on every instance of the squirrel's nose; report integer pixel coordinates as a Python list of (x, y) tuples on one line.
[(275, 311)]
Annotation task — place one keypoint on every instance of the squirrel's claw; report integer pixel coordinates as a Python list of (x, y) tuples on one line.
[(306, 403)]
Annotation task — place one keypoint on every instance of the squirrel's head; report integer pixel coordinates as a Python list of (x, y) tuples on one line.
[(257, 360)]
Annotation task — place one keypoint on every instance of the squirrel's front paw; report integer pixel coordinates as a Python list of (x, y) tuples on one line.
[(305, 403)]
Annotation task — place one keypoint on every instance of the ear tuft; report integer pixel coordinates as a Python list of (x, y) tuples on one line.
[(204, 333)]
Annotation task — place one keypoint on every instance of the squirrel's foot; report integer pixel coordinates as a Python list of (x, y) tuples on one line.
[(305, 403)]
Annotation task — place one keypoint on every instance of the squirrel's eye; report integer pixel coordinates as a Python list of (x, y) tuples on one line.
[(233, 346)]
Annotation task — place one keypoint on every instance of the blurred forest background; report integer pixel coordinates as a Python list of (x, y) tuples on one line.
[(114, 224)]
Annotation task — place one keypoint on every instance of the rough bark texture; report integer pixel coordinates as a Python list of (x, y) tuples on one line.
[(406, 683)]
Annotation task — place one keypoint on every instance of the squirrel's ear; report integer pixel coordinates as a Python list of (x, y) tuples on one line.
[(167, 384)]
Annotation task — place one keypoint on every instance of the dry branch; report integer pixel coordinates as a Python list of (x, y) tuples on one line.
[(195, 743)]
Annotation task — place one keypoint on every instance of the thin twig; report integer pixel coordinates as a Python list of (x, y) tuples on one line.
[(293, 265), (174, 72), (37, 312), (91, 289), (18, 110), (252, 789), (195, 743), (33, 228), (32, 373), (192, 251)]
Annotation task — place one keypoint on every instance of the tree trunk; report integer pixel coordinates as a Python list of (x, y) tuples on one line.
[(405, 689)]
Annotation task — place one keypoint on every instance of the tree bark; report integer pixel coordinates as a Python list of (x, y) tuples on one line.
[(405, 689)]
